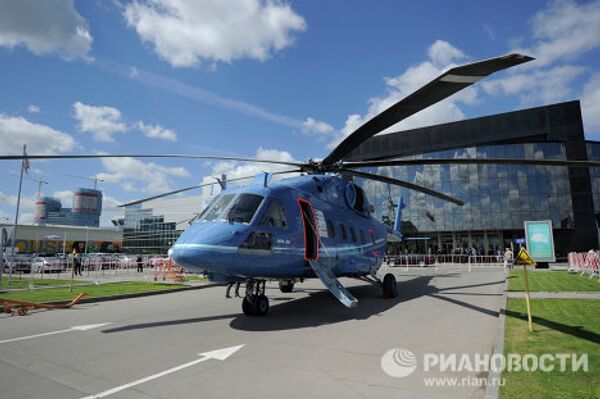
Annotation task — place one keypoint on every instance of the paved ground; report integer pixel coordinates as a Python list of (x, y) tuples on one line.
[(309, 345)]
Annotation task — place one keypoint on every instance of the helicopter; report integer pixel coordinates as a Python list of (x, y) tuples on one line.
[(319, 224)]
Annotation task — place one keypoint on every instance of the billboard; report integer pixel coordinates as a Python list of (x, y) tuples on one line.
[(539, 240)]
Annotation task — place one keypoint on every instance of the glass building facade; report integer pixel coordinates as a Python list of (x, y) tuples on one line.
[(593, 149), (498, 198), (144, 233)]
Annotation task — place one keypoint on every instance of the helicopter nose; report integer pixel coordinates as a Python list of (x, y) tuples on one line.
[(204, 248)]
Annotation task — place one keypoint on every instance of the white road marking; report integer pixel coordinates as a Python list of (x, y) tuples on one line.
[(74, 328), (220, 354)]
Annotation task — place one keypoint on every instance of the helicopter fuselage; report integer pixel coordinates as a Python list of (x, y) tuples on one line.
[(267, 231)]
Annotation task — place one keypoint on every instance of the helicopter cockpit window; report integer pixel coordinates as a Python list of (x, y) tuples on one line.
[(244, 208), (218, 207), (274, 215)]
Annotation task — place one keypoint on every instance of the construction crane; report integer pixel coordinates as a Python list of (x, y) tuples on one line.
[(94, 178), (39, 183)]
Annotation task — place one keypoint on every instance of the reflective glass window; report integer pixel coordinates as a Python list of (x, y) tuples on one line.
[(274, 215), (244, 208), (221, 203)]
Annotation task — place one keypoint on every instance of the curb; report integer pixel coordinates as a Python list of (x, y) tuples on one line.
[(139, 294), (492, 389)]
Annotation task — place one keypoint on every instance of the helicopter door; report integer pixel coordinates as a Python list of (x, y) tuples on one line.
[(373, 241), (311, 236)]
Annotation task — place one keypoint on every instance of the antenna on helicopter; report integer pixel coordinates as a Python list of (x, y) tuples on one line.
[(96, 179)]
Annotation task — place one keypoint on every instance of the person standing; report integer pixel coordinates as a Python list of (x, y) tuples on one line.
[(76, 263), (140, 264), (508, 259), (237, 289)]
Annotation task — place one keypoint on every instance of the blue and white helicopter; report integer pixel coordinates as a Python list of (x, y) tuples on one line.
[(318, 224)]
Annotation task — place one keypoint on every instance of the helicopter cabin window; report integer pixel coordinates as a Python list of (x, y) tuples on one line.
[(363, 239), (330, 229), (343, 232), (353, 234), (259, 242), (220, 205), (274, 215), (244, 208)]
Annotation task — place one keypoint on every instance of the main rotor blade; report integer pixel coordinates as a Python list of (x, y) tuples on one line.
[(438, 89), (181, 190), (80, 156), (478, 161), (405, 184)]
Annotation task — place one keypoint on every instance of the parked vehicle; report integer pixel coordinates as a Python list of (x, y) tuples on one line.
[(19, 263), (48, 265), (124, 261)]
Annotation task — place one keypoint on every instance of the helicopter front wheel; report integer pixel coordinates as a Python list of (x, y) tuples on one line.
[(390, 288), (255, 306), (255, 302)]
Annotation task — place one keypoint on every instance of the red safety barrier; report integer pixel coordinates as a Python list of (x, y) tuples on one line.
[(585, 263)]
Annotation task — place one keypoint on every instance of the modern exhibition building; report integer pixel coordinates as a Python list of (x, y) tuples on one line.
[(498, 198)]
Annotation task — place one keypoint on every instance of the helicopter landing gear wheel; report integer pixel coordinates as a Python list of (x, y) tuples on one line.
[(286, 286), (255, 303), (247, 307), (261, 304), (390, 288), (256, 306)]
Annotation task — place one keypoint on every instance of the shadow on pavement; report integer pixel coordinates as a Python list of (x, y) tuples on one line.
[(320, 308)]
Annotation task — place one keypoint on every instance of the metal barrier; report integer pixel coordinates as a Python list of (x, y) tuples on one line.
[(92, 266), (443, 259), (585, 263)]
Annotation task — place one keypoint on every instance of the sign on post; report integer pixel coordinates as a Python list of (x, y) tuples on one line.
[(540, 241)]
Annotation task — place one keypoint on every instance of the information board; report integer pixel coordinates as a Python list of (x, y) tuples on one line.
[(539, 240)]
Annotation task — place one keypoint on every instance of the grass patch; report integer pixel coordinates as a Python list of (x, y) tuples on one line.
[(560, 326), (23, 282), (552, 281), (194, 277), (92, 291)]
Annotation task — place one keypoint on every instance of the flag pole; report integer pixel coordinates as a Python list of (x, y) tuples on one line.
[(14, 232)]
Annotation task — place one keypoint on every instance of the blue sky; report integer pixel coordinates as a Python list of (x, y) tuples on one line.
[(283, 80)]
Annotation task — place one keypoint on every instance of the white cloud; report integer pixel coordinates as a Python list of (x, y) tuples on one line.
[(44, 27), (313, 126), (564, 30), (538, 86), (103, 122), (156, 132), (235, 170), (443, 53), (590, 105), (441, 56), (204, 96), (40, 139), (110, 210), (184, 33), (33, 109), (561, 34), (154, 178), (26, 207), (65, 197)]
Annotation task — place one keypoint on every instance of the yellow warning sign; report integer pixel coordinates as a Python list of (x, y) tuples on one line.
[(523, 258)]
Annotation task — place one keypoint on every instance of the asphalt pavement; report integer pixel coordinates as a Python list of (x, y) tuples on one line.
[(308, 346)]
